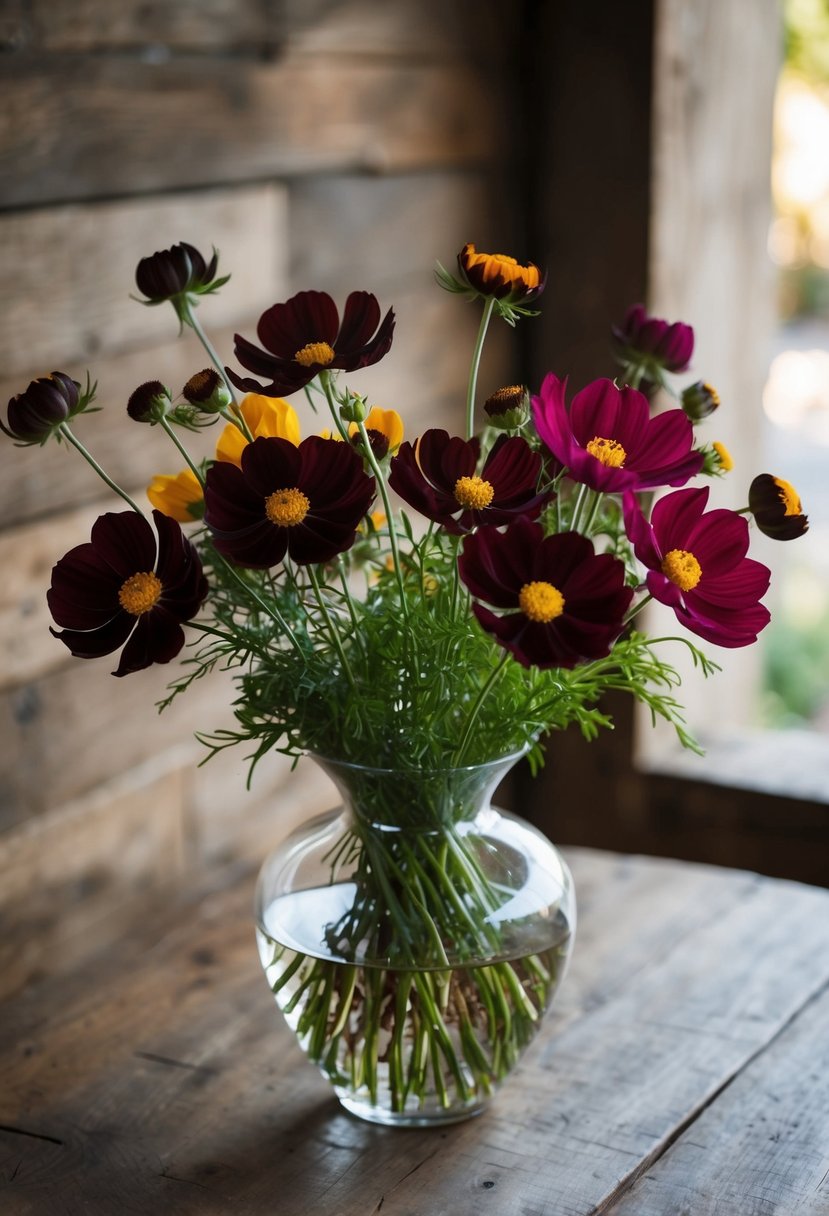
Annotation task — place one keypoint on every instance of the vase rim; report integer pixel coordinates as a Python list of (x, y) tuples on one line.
[(353, 766)]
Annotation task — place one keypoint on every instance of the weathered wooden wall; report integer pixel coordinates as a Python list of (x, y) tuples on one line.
[(335, 144)]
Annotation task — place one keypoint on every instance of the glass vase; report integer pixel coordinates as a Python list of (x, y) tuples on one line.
[(414, 937)]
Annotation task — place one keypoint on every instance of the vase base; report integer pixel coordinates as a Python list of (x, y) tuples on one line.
[(437, 1117)]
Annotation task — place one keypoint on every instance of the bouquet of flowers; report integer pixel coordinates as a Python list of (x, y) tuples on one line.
[(430, 640)]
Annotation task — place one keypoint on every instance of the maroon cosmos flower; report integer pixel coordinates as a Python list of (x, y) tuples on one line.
[(561, 603), (37, 413), (126, 586), (437, 476), (172, 272), (305, 501), (304, 337), (642, 339), (697, 565), (609, 441)]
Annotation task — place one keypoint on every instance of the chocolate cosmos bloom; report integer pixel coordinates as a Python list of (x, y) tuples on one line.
[(561, 603), (644, 339), (172, 272), (305, 500), (437, 476), (697, 565), (48, 401), (775, 505), (124, 586), (609, 441), (304, 337)]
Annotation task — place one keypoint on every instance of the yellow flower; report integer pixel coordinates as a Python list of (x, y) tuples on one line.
[(178, 495), (265, 416)]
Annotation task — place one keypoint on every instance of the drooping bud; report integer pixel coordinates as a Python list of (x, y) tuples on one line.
[(654, 345), (207, 391), (508, 408), (699, 400), (149, 403), (775, 505), (37, 413)]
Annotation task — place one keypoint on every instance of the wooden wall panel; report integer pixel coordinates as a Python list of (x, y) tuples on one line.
[(74, 270), (83, 127)]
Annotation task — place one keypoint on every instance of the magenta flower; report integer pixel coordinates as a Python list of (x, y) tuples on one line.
[(437, 476), (642, 339), (306, 501), (123, 586), (304, 337), (609, 441), (561, 603), (697, 565)]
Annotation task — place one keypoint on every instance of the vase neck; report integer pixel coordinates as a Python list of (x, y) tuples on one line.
[(408, 799)]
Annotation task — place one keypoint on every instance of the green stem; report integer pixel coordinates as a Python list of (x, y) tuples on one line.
[(90, 459), (325, 381), (332, 629), (384, 494), (270, 610), (476, 361), (637, 608), (194, 469), (494, 675)]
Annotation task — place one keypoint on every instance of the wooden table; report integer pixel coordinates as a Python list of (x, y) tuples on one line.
[(685, 1070)]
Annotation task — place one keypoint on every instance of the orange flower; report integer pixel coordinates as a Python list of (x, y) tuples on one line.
[(499, 275), (178, 495)]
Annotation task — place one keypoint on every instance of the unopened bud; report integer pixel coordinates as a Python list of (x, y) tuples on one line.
[(699, 400), (508, 408), (354, 408), (149, 402), (207, 391)]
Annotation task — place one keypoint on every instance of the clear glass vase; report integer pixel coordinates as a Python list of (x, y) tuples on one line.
[(414, 937)]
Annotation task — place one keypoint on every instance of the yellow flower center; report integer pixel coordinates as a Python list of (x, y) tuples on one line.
[(473, 493), (788, 497), (682, 568), (139, 593), (541, 601), (315, 352), (609, 451), (287, 508)]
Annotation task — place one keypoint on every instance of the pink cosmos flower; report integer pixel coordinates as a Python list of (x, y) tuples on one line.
[(608, 440), (643, 338), (697, 565)]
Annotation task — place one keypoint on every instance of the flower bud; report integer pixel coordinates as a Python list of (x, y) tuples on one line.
[(354, 409), (38, 412), (207, 391), (649, 342), (699, 401), (149, 402), (171, 272), (717, 460), (508, 408), (776, 508)]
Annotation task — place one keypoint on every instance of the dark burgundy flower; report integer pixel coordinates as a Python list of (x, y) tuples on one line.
[(560, 603), (207, 391), (499, 275), (438, 477), (697, 565), (37, 413), (642, 339), (126, 586), (173, 272), (305, 500), (304, 336), (775, 505), (609, 441)]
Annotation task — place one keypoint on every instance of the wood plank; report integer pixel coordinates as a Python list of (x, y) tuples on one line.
[(74, 271), (71, 878), (762, 1147), (398, 27), (81, 127), (175, 1040)]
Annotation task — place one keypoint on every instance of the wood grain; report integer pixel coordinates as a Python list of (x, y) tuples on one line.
[(81, 127), (74, 271), (168, 1075)]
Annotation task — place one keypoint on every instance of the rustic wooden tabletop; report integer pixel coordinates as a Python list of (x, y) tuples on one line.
[(683, 1072)]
